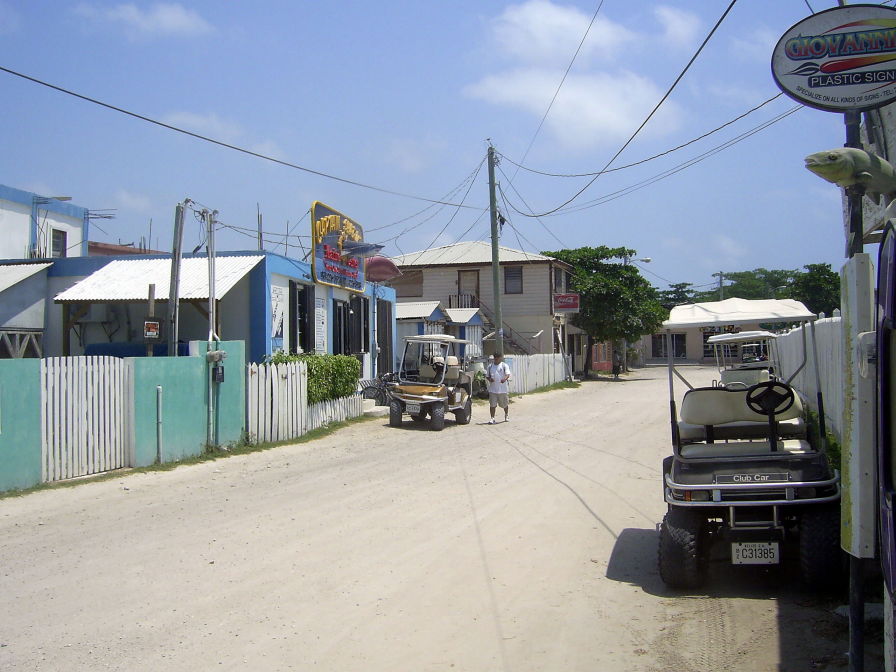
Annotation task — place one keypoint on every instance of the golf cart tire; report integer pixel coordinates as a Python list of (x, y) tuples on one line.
[(438, 417), (679, 550), (462, 416), (395, 413), (820, 555)]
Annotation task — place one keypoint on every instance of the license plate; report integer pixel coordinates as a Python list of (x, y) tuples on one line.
[(753, 478), (755, 553), (412, 408)]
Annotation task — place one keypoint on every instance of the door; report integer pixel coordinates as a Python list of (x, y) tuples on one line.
[(384, 361), (886, 420), (468, 289)]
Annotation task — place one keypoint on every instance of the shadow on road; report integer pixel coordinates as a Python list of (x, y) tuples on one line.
[(810, 636)]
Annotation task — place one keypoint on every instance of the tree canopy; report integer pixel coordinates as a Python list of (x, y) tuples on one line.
[(616, 302), (818, 287)]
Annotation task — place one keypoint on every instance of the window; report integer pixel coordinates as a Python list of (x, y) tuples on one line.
[(513, 279), (409, 284), (301, 317), (559, 287), (359, 324), (60, 243), (658, 346)]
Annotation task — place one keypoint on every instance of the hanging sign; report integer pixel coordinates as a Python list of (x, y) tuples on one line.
[(566, 303), (839, 60), (334, 237)]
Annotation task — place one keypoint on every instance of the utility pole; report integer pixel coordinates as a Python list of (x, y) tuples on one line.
[(174, 284), (212, 311), (496, 276), (721, 277), (260, 238)]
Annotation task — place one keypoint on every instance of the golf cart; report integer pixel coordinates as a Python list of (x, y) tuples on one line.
[(757, 362), (431, 382), (745, 477)]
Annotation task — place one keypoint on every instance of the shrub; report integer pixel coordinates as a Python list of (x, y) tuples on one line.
[(329, 376)]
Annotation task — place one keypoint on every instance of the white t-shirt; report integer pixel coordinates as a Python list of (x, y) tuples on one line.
[(497, 373)]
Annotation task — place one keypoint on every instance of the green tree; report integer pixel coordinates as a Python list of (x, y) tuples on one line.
[(818, 288), (759, 283), (678, 293), (616, 302)]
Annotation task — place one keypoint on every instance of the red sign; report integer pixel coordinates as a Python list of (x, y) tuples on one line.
[(566, 303)]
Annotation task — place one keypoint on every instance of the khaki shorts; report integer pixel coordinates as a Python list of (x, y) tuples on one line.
[(498, 399)]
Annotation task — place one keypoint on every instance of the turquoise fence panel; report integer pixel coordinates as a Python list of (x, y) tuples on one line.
[(20, 433), (231, 394)]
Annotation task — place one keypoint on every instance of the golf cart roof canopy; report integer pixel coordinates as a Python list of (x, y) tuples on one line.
[(737, 311), (742, 337), (435, 338)]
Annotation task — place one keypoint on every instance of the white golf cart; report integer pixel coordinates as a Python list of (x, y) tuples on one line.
[(431, 382), (745, 477), (756, 362)]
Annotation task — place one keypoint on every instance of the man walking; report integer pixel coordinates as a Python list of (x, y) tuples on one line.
[(498, 374)]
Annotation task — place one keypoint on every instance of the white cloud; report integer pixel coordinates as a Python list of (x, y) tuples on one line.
[(132, 202), (593, 109), (680, 28), (757, 46), (161, 19), (540, 32), (206, 124), (10, 19)]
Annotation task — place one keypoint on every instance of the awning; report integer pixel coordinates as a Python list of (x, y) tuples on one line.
[(129, 279), (13, 274), (419, 310), (737, 311), (463, 315)]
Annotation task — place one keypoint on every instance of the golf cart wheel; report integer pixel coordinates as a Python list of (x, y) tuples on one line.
[(395, 412), (463, 415), (679, 551), (438, 416), (820, 555)]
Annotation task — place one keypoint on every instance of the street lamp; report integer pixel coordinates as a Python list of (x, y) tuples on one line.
[(625, 260)]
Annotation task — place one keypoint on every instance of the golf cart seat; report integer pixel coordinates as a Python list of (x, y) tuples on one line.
[(746, 377), (452, 370), (712, 414)]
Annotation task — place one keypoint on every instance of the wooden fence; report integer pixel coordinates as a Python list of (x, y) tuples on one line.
[(276, 408), (828, 334), (85, 416), (533, 371)]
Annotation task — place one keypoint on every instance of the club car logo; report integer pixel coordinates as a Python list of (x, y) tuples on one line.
[(840, 60)]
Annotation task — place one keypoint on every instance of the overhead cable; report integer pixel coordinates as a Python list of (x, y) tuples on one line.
[(649, 116)]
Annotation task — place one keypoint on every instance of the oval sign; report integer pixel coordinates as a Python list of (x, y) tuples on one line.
[(839, 60)]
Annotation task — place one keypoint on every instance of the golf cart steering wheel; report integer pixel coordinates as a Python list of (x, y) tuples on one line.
[(770, 398)]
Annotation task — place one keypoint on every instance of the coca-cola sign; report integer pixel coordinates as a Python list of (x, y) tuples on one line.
[(566, 303)]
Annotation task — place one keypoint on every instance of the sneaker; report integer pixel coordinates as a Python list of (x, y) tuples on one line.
[(492, 421), (506, 419)]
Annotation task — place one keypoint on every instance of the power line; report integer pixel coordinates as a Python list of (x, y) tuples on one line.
[(649, 158), (538, 219), (649, 116), (563, 79), (220, 143)]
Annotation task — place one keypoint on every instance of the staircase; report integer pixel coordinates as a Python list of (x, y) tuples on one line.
[(514, 342)]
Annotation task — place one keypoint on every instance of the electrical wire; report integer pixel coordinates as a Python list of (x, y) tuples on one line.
[(649, 116), (538, 219), (563, 79), (649, 158), (220, 143)]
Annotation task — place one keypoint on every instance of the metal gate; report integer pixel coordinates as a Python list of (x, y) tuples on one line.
[(85, 417)]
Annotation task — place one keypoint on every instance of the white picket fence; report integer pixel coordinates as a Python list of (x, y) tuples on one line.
[(85, 416), (276, 408), (533, 371), (828, 334)]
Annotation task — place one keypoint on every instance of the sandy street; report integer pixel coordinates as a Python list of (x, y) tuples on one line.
[(524, 546)]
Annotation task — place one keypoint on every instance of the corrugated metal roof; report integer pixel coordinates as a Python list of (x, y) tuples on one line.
[(129, 279), (418, 310), (13, 274), (470, 252), (461, 315)]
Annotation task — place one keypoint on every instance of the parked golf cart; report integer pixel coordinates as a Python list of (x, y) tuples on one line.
[(745, 478), (431, 382), (756, 362)]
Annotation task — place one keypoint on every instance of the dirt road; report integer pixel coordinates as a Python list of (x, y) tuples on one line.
[(524, 546)]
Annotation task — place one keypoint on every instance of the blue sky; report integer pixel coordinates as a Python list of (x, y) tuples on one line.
[(403, 96)]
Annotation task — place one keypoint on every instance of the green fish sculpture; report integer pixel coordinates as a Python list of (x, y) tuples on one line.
[(847, 166)]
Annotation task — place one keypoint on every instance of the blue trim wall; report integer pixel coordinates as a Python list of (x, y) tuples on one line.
[(64, 208)]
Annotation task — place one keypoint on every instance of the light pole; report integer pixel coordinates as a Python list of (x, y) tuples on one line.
[(625, 261)]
